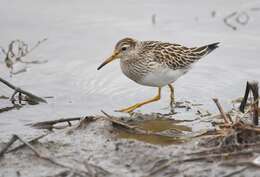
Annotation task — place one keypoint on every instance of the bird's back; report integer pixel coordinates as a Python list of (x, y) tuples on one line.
[(175, 56)]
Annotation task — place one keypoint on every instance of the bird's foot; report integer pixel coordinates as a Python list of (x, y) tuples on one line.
[(182, 104), (172, 110), (176, 105), (129, 109)]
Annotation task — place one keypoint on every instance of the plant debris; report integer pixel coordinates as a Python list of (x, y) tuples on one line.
[(17, 51), (234, 139), (29, 97)]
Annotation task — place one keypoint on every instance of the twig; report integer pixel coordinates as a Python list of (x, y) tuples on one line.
[(236, 172), (3, 50), (226, 20), (245, 98), (37, 45), (12, 140), (203, 157), (98, 169), (31, 142), (18, 49), (49, 124), (253, 87), (223, 114), (15, 106), (19, 90), (38, 154), (119, 123), (163, 166), (213, 150), (85, 121)]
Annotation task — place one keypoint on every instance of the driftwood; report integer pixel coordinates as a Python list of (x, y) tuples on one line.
[(30, 97)]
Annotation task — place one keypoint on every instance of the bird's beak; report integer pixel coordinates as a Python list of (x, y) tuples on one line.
[(113, 57)]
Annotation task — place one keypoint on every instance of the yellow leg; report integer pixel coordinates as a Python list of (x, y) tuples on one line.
[(172, 96), (131, 108)]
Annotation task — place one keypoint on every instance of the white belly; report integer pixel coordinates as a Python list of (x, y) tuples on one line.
[(162, 77)]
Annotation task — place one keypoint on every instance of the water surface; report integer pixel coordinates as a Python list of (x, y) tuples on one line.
[(81, 34)]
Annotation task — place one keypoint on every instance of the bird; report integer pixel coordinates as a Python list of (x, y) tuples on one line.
[(155, 64)]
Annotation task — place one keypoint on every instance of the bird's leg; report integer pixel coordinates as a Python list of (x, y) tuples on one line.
[(172, 103), (131, 108)]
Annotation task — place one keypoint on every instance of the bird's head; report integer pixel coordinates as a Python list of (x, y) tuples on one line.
[(123, 48)]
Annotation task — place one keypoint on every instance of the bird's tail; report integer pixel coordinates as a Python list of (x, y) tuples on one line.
[(212, 47), (205, 50)]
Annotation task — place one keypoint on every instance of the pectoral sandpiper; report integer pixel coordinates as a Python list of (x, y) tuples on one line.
[(155, 64)]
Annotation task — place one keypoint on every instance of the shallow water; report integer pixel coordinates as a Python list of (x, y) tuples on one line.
[(156, 127), (162, 125), (152, 139), (82, 34)]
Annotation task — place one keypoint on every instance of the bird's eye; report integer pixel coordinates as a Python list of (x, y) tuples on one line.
[(123, 48)]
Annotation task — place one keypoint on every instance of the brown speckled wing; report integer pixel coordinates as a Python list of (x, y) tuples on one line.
[(177, 56)]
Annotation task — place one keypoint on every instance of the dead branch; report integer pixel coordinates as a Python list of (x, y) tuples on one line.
[(16, 106), (85, 121), (33, 98), (36, 45), (50, 124), (30, 141), (211, 157), (253, 87), (226, 147), (245, 98), (96, 170), (221, 110), (208, 158), (12, 140), (226, 20), (118, 123), (236, 172)]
